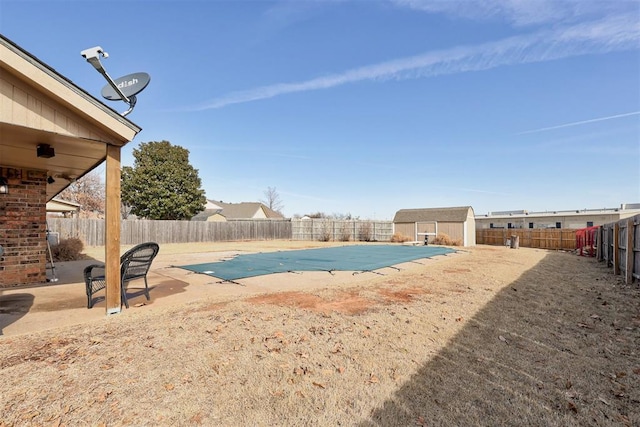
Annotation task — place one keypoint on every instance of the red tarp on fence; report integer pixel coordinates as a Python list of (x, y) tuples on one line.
[(586, 240)]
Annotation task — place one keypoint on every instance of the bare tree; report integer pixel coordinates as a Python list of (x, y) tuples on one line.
[(365, 231), (272, 200), (88, 192), (125, 210), (341, 216)]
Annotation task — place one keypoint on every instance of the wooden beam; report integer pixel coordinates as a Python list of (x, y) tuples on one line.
[(616, 248), (112, 231), (628, 275), (599, 245)]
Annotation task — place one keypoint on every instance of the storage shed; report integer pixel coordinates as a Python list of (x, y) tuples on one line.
[(457, 222)]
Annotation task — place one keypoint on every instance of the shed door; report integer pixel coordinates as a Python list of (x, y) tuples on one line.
[(429, 228)]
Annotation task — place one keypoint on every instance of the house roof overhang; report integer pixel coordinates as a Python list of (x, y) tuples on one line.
[(40, 106), (61, 206)]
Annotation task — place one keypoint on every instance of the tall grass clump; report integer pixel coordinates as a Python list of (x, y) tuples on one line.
[(445, 240), (400, 238), (68, 250)]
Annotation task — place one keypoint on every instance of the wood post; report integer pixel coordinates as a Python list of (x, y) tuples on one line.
[(112, 231), (599, 245), (616, 248), (628, 274)]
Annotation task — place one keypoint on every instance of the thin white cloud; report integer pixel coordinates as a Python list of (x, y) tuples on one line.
[(520, 13), (517, 12), (284, 14), (611, 34), (582, 122)]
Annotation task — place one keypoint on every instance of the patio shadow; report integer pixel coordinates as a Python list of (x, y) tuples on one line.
[(135, 292), (13, 307)]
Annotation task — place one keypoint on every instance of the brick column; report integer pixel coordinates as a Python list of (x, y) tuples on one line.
[(23, 228)]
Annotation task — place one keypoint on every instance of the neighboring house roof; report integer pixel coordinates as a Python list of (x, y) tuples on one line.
[(271, 214), (244, 210), (202, 216), (247, 210), (454, 214), (59, 205), (211, 205)]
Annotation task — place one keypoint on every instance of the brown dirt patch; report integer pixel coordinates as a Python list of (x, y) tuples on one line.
[(401, 295), (341, 302)]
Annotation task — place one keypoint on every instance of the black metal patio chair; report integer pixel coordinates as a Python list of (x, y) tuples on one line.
[(134, 264)]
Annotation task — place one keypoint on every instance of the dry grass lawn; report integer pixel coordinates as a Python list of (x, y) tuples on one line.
[(492, 336)]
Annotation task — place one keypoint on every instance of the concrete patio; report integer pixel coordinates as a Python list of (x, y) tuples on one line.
[(62, 303)]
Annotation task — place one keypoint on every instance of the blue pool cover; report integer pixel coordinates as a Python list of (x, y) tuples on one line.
[(341, 258)]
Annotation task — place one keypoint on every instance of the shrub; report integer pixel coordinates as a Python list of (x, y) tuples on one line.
[(325, 232), (68, 250), (365, 232), (399, 238), (345, 232), (324, 237), (444, 239)]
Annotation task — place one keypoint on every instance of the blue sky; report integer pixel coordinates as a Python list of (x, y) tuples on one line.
[(367, 107)]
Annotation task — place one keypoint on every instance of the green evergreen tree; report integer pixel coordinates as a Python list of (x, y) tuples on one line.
[(162, 184)]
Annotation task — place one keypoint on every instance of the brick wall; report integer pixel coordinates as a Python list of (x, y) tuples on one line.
[(23, 228)]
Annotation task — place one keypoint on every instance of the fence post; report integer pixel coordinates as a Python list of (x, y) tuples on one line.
[(599, 255), (616, 250), (628, 276), (561, 239)]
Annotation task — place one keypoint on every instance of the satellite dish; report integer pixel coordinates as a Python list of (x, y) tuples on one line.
[(123, 89), (130, 85)]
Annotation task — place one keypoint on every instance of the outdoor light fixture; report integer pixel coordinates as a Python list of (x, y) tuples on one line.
[(4, 186), (50, 180), (45, 151)]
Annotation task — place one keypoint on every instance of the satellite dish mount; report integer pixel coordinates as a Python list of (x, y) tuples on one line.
[(125, 88)]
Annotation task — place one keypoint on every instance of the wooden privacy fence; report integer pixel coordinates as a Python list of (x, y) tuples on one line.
[(542, 238), (132, 232), (618, 244)]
